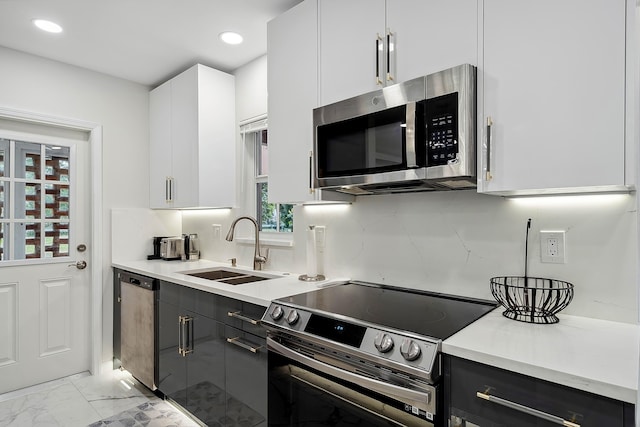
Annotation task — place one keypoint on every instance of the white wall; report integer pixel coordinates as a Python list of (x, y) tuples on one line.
[(35, 84), (451, 242)]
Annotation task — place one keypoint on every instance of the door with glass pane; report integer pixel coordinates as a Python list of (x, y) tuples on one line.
[(44, 291)]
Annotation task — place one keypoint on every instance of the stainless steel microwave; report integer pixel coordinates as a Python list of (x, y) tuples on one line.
[(419, 135)]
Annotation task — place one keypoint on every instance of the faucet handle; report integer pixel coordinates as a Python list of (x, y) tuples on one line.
[(233, 262), (262, 259)]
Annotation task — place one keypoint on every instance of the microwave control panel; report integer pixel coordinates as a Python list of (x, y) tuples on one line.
[(441, 119)]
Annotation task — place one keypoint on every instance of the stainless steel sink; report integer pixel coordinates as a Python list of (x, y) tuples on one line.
[(215, 274), (243, 279), (230, 277)]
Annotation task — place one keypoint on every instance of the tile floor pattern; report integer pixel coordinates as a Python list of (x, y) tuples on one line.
[(114, 399)]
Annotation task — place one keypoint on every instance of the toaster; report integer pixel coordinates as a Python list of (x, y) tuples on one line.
[(171, 248)]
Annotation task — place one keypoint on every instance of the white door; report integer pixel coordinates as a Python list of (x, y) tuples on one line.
[(44, 227)]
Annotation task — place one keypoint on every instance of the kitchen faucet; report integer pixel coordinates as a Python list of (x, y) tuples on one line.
[(258, 260)]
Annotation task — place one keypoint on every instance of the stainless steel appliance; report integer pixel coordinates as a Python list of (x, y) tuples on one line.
[(157, 241), (192, 247), (172, 248), (138, 334), (414, 136), (361, 354)]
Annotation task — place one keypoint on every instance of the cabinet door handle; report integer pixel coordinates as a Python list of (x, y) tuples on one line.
[(180, 336), (170, 199), (166, 189), (239, 343), (185, 335), (310, 172), (389, 75), (239, 315), (378, 45), (488, 176), (525, 409), (188, 324)]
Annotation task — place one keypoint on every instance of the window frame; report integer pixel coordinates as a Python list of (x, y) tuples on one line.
[(256, 178), (10, 180)]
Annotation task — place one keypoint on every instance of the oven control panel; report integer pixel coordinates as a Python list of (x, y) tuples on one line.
[(399, 349)]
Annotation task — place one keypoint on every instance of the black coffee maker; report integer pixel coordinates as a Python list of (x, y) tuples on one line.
[(156, 247)]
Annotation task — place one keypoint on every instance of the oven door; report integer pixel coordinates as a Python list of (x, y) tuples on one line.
[(309, 391)]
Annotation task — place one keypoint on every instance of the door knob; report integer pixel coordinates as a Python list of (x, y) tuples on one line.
[(80, 265)]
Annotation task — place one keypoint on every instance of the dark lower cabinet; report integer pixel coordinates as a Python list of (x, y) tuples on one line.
[(216, 371), (191, 369), (246, 378), (485, 396)]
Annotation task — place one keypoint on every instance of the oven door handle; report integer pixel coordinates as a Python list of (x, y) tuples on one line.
[(394, 391)]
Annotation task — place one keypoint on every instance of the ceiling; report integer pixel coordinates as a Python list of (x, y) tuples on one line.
[(145, 41)]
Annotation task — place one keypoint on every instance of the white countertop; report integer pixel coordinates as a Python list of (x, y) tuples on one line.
[(261, 293), (593, 355)]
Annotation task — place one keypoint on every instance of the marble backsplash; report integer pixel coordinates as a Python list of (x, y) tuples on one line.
[(454, 242)]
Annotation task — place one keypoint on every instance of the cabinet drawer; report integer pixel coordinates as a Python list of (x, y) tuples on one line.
[(488, 396), (243, 315), (246, 376), (200, 302)]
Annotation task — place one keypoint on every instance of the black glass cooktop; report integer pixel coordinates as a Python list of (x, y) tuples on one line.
[(429, 314)]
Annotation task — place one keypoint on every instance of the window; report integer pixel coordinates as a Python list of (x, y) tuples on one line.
[(35, 200), (272, 217)]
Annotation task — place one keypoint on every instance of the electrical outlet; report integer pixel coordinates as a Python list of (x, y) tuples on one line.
[(552, 247), (217, 231)]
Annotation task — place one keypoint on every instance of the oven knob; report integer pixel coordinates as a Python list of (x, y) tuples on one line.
[(292, 317), (409, 350), (383, 342), (277, 313)]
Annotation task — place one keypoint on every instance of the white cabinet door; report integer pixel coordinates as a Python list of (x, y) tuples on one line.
[(160, 152), (431, 35), (216, 156), (292, 75), (554, 86), (185, 136), (349, 31), (292, 83)]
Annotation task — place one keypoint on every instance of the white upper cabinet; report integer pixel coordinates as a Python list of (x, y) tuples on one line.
[(192, 120), (368, 44), (292, 82), (553, 74)]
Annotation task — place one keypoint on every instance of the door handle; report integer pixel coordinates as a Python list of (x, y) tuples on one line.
[(237, 341), (379, 81), (488, 175), (80, 265), (527, 410)]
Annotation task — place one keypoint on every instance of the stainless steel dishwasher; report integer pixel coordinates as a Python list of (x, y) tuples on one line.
[(138, 334)]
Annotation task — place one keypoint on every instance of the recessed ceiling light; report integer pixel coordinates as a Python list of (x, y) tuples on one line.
[(230, 37), (48, 26)]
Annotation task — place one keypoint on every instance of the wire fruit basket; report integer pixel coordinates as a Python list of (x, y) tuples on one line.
[(531, 299)]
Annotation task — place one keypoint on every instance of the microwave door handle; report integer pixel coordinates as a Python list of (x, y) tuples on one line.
[(410, 135)]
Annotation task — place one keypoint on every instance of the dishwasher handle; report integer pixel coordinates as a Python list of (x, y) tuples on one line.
[(145, 282)]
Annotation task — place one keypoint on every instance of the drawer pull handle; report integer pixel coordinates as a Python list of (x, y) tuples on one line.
[(526, 410), (239, 315), (239, 343)]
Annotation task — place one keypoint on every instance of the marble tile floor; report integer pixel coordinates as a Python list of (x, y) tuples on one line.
[(114, 399)]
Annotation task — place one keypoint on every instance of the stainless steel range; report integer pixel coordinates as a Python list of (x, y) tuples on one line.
[(361, 354)]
